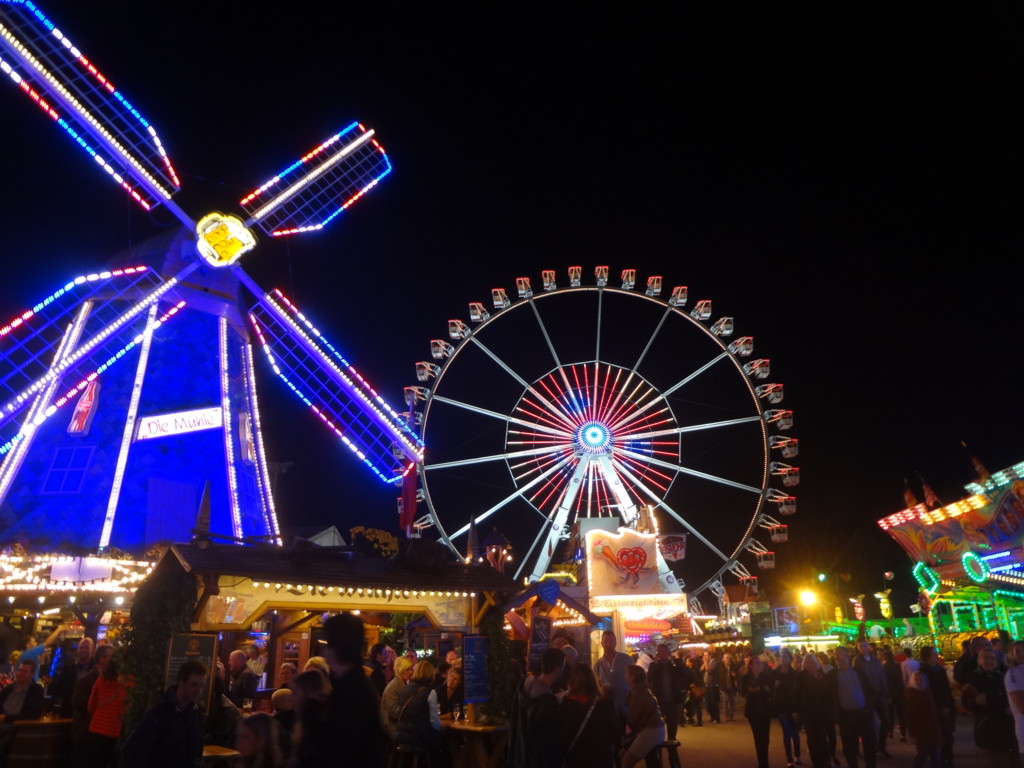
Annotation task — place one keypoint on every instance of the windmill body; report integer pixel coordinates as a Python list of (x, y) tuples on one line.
[(131, 471)]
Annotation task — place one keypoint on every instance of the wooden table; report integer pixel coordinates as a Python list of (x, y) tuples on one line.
[(41, 743), (214, 755), (483, 746)]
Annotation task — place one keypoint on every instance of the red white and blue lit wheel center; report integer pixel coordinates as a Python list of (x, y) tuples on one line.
[(593, 437)]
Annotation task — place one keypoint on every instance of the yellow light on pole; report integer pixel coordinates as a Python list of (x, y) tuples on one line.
[(808, 598)]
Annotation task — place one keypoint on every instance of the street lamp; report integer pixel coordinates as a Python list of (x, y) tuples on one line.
[(808, 599)]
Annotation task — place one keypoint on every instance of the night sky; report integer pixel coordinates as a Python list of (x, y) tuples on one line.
[(845, 184)]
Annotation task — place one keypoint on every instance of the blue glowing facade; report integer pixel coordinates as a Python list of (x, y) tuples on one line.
[(112, 484)]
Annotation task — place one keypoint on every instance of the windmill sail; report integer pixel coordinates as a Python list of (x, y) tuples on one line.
[(314, 370), (52, 71), (320, 185)]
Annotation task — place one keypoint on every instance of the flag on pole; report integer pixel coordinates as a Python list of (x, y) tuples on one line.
[(979, 468), (408, 516), (908, 495), (472, 541), (983, 474)]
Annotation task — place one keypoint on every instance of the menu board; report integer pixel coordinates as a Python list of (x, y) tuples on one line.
[(476, 685), (540, 639), (186, 646)]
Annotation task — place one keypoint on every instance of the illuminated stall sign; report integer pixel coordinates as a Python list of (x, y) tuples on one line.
[(180, 423), (623, 570)]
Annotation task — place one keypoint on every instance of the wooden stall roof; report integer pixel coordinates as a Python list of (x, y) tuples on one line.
[(332, 566), (534, 591)]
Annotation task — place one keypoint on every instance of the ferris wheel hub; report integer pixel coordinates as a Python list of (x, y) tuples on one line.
[(594, 437)]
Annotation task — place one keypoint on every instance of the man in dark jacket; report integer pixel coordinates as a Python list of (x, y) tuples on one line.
[(354, 728), (171, 733), (536, 739), (667, 681), (21, 700), (867, 662), (854, 698), (378, 656), (945, 706), (63, 686), (242, 681)]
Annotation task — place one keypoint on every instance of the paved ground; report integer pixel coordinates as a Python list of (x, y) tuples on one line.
[(730, 745)]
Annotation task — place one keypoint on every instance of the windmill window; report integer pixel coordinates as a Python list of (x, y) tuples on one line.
[(67, 470)]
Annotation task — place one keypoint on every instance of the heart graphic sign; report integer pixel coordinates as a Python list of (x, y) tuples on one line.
[(632, 559)]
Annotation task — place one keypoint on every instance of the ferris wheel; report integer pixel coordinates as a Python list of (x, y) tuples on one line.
[(586, 401)]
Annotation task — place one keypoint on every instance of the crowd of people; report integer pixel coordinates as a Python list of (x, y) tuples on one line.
[(87, 687), (849, 701), (565, 712)]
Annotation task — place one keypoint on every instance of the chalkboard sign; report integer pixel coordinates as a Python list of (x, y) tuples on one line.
[(475, 682), (192, 647), (540, 639)]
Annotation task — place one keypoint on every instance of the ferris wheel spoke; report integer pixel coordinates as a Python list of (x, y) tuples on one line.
[(686, 380), (691, 428), (681, 383), (659, 502), (485, 459), (620, 425), (692, 472), (538, 414), (497, 416), (551, 531), (519, 492), (551, 407), (625, 400), (524, 469), (544, 332), (650, 341)]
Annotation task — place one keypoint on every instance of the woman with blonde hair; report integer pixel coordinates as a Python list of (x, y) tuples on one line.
[(389, 706), (319, 663), (419, 718)]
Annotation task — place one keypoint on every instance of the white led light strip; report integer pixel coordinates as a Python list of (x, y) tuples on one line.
[(229, 451), (295, 188), (266, 497), (129, 430)]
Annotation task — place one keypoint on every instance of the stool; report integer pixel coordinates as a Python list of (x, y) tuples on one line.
[(672, 747), (408, 756)]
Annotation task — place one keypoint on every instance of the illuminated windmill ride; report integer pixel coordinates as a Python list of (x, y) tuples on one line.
[(125, 393)]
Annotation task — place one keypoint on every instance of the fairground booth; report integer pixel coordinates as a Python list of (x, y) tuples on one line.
[(968, 555)]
